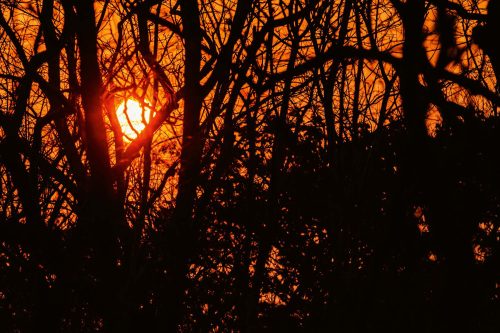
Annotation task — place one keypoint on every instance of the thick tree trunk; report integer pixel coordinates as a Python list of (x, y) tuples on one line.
[(180, 233), (100, 221)]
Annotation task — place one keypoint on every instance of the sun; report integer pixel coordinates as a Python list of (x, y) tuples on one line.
[(133, 117)]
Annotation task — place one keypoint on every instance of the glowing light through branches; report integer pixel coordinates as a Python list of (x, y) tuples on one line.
[(133, 117)]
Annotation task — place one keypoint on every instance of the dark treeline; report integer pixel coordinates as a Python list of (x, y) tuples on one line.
[(307, 166)]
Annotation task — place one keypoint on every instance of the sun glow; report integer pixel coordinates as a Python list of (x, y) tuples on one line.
[(133, 117)]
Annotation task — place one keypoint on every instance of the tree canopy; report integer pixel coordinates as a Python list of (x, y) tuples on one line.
[(250, 165)]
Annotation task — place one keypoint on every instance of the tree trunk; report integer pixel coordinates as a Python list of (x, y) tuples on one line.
[(180, 235)]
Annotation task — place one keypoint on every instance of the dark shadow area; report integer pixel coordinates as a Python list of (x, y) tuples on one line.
[(285, 166)]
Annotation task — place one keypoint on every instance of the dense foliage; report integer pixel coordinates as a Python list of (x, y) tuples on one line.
[(309, 165)]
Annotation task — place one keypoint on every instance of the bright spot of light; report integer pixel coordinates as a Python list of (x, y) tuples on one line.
[(133, 118)]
